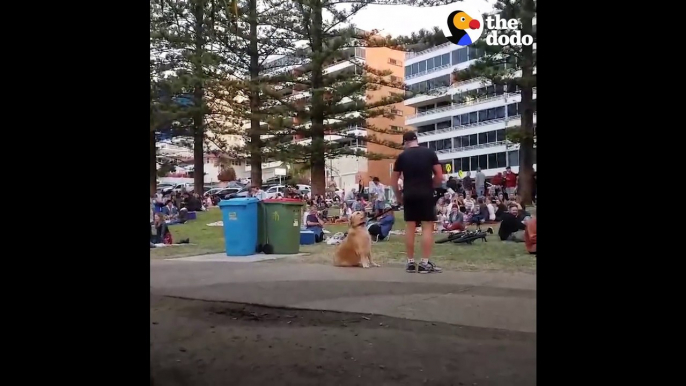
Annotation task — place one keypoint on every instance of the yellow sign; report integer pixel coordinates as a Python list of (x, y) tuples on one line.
[(448, 168), (460, 174), (275, 216)]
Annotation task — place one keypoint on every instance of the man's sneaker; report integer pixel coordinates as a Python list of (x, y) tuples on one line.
[(429, 267), (411, 267)]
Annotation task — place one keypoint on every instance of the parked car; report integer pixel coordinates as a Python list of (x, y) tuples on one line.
[(211, 191), (223, 194), (275, 191), (241, 193)]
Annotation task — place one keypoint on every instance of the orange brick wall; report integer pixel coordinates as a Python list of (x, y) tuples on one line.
[(378, 58)]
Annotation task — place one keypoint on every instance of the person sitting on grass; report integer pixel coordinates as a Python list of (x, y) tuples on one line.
[(479, 212), (455, 221), (315, 224), (170, 210), (500, 209), (344, 214), (358, 205), (491, 209), (162, 234), (382, 228), (512, 225)]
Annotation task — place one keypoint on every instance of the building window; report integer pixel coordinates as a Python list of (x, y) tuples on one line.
[(397, 112), (442, 125), (501, 159), (397, 129), (394, 78), (474, 163), (425, 128), (483, 115), (513, 157), (500, 135), (394, 62), (483, 161), (490, 136), (512, 109), (483, 138), (465, 164), (492, 162)]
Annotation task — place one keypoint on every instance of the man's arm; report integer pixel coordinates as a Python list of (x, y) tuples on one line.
[(395, 176), (438, 172)]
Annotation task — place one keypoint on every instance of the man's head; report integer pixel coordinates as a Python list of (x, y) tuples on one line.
[(376, 180), (508, 170), (469, 174), (313, 209), (170, 203), (410, 139), (478, 170), (513, 209), (454, 209)]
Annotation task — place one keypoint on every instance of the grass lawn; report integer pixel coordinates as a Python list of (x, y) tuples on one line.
[(492, 255)]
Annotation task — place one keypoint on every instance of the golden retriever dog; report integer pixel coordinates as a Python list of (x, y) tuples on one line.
[(356, 249)]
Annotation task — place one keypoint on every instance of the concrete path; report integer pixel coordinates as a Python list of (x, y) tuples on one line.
[(490, 300)]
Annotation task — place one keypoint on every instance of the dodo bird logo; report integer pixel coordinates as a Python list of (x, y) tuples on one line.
[(463, 27)]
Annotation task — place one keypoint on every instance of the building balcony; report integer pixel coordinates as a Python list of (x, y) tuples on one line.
[(444, 93), (410, 55), (450, 132), (445, 112)]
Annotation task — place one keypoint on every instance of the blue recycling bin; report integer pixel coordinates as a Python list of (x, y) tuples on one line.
[(240, 225)]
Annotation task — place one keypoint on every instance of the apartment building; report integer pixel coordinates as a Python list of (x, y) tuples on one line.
[(345, 169), (464, 121)]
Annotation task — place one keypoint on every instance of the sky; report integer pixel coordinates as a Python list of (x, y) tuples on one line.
[(403, 19)]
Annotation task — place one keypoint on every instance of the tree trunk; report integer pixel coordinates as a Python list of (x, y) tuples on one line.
[(318, 162), (153, 164), (526, 146), (198, 95), (255, 145)]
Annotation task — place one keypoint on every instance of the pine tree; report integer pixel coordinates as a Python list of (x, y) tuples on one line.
[(248, 33), (513, 66), (181, 37), (337, 101)]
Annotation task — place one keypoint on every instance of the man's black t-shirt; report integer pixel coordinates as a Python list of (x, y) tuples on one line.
[(509, 225), (416, 164)]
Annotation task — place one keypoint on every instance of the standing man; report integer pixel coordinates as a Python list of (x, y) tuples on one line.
[(422, 174), (378, 190), (510, 182), (468, 185), (480, 182)]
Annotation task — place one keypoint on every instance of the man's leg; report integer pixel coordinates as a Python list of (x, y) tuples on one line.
[(426, 214), (427, 239), (410, 227)]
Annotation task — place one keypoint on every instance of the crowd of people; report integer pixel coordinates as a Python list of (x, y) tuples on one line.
[(470, 200)]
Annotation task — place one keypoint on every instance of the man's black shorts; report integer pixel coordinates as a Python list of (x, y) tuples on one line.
[(420, 209)]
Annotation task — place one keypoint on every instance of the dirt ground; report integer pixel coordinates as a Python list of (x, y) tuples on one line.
[(197, 343)]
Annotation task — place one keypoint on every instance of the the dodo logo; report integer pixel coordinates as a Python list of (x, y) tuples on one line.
[(463, 26)]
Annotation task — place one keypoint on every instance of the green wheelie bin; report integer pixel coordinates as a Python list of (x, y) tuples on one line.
[(261, 228), (283, 219)]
